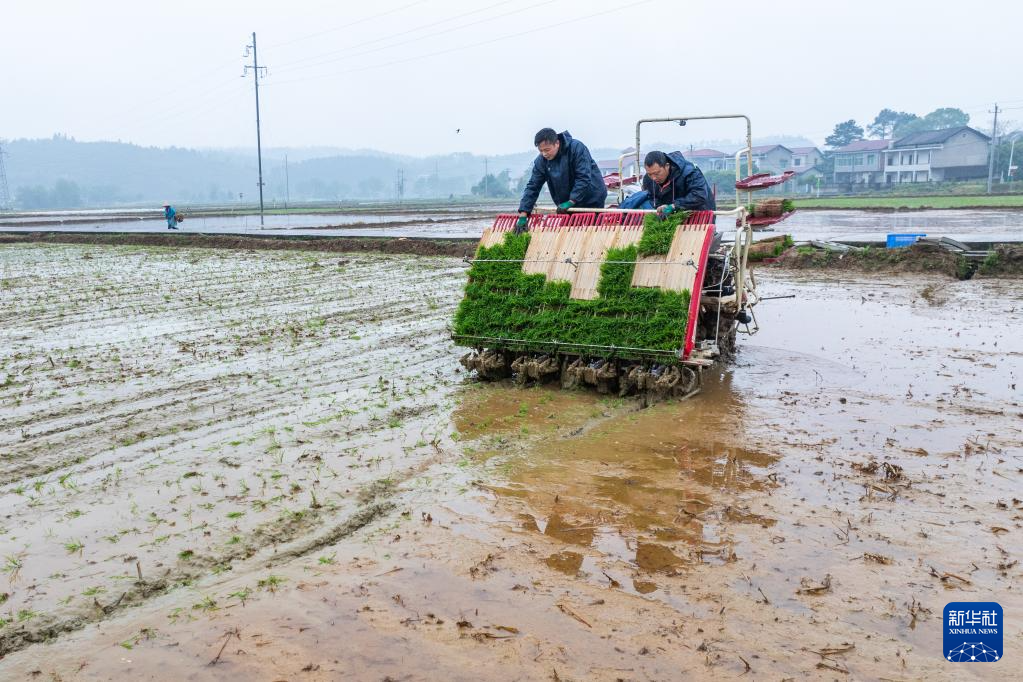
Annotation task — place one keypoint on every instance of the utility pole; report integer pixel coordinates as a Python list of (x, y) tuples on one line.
[(399, 185), (5, 192), (994, 148), (257, 74), (287, 184), (1012, 151), (486, 178)]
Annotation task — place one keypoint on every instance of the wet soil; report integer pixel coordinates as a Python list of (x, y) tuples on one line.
[(806, 517), (1005, 260), (394, 245), (916, 258)]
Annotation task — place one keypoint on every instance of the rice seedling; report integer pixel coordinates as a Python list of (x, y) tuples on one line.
[(271, 583), (207, 605), (241, 595), (503, 302), (12, 566)]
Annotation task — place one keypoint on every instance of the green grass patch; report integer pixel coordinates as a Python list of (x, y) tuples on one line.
[(779, 248), (502, 302)]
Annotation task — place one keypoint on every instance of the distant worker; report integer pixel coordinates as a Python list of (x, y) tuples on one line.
[(672, 184), (171, 216), (571, 174)]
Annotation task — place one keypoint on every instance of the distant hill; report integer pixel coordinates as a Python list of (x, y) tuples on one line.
[(61, 172)]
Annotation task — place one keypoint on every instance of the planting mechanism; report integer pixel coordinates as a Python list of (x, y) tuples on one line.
[(613, 298)]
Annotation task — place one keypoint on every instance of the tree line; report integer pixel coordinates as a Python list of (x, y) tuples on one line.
[(891, 124)]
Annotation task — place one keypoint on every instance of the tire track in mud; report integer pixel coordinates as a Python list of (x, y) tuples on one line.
[(133, 428), (143, 590), (268, 545)]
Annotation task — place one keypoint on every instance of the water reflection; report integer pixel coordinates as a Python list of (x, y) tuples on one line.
[(658, 488), (837, 224)]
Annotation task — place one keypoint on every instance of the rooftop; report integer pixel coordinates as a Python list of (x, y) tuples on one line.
[(764, 148), (703, 154), (935, 136), (863, 146), (613, 163)]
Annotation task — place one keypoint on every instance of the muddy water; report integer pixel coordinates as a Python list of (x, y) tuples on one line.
[(807, 516), (857, 469), (977, 226), (971, 224)]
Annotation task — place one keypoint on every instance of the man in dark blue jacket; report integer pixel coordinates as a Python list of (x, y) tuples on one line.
[(672, 183), (571, 174)]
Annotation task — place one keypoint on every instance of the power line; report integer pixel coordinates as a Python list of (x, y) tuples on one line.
[(196, 105), (348, 25), (186, 106), (546, 27), (290, 65), (127, 116)]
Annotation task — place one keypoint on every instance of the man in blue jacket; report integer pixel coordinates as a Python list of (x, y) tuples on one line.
[(672, 184), (571, 174)]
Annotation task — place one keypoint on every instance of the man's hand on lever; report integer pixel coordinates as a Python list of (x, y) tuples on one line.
[(564, 206)]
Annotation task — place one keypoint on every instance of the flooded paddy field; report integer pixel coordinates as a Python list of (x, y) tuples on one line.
[(221, 464), (464, 221), (975, 225)]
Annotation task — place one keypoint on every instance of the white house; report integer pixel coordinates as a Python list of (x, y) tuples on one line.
[(959, 153)]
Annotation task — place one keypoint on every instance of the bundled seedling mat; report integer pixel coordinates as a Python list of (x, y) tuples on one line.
[(610, 284)]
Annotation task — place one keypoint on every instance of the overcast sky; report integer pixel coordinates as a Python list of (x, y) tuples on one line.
[(403, 76)]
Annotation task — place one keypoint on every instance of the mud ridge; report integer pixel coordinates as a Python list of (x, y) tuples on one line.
[(416, 246), (1005, 260)]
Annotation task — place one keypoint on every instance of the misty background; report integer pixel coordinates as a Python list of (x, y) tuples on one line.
[(117, 102), (60, 172)]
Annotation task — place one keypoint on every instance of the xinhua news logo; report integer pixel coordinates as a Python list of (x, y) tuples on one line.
[(973, 632)]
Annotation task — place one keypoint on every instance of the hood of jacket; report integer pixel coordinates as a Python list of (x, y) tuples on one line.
[(679, 161), (565, 139)]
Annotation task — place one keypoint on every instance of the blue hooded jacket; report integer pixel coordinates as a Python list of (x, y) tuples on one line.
[(572, 175), (685, 188)]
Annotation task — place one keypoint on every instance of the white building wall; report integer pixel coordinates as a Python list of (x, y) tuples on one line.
[(965, 149)]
